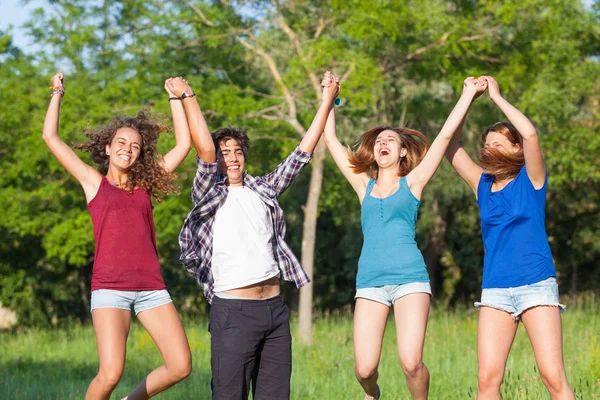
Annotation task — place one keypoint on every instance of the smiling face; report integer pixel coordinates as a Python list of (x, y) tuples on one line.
[(498, 141), (125, 148), (231, 161), (387, 151)]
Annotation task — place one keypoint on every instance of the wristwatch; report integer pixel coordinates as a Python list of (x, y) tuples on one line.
[(185, 95)]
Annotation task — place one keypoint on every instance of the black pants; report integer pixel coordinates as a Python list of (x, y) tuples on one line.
[(250, 345)]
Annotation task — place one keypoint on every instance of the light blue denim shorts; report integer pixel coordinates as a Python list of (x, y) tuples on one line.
[(388, 294), (137, 301), (517, 300)]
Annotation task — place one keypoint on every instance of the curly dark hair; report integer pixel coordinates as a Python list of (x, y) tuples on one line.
[(240, 135), (146, 172)]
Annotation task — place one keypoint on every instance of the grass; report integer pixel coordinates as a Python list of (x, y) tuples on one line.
[(59, 363)]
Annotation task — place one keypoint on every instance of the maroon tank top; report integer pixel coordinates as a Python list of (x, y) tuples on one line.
[(126, 256)]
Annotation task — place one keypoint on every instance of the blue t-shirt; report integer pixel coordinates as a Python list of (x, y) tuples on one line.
[(514, 233), (390, 255)]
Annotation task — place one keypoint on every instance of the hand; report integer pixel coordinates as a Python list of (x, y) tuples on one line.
[(331, 87), (169, 92), (178, 86), (474, 87), (57, 80), (493, 87)]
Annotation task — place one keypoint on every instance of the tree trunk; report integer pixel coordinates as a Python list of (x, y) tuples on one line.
[(574, 273), (309, 233), (437, 243), (83, 291)]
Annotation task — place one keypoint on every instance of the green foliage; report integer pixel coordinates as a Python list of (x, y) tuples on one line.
[(403, 63)]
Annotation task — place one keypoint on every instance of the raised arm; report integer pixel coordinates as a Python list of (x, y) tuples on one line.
[(177, 154), (534, 160), (312, 135), (340, 155), (418, 178), (195, 119), (468, 170), (86, 175)]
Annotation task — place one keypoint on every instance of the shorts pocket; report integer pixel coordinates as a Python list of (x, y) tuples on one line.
[(219, 319)]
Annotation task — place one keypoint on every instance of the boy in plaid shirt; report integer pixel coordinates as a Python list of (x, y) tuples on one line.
[(233, 243)]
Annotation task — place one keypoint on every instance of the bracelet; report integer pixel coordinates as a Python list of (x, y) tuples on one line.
[(174, 98), (185, 95), (57, 89)]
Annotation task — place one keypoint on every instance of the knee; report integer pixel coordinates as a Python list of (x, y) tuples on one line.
[(411, 367), (180, 371), (489, 381), (109, 378), (364, 372), (555, 381)]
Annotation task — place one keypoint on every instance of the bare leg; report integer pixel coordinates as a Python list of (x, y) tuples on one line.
[(112, 327), (165, 328), (544, 327), (370, 318), (495, 335), (411, 313)]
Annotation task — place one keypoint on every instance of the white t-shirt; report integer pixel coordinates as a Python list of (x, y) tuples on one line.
[(243, 241)]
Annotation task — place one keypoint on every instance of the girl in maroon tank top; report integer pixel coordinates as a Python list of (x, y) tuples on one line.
[(126, 270)]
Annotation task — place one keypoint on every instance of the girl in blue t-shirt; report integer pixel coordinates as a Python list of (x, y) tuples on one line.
[(388, 172), (518, 272)]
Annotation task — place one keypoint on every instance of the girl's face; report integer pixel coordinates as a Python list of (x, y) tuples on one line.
[(125, 148), (498, 141), (387, 150)]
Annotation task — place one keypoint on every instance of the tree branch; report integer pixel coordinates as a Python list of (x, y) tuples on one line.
[(493, 60), (314, 80), (321, 27), (438, 43), (200, 13), (292, 116), (441, 41), (265, 113)]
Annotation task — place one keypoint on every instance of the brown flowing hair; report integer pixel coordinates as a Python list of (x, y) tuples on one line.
[(146, 172), (498, 163), (363, 159)]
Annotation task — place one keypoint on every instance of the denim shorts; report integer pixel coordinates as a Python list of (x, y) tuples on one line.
[(517, 300), (137, 301), (388, 294)]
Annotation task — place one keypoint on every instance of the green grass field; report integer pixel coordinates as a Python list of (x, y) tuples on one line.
[(58, 364)]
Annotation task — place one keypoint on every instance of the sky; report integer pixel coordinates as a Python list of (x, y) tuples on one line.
[(15, 13)]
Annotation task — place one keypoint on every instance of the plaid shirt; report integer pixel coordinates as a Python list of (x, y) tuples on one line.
[(209, 193)]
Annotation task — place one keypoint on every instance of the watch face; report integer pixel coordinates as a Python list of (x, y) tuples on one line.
[(184, 95)]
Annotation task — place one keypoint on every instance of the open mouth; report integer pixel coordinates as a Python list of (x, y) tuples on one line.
[(384, 152), (124, 157), (233, 168)]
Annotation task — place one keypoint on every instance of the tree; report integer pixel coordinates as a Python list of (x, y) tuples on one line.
[(258, 63)]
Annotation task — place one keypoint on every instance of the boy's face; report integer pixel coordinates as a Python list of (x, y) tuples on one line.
[(231, 161)]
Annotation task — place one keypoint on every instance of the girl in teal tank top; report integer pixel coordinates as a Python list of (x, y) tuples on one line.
[(390, 255), (388, 171)]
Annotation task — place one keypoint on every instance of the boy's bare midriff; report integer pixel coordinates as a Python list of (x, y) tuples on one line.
[(260, 290)]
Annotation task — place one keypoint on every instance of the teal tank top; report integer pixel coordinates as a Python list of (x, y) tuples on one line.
[(390, 255)]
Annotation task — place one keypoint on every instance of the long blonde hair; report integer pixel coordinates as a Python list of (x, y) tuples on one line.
[(363, 158)]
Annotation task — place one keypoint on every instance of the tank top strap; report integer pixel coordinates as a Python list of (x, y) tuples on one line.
[(370, 186), (403, 185)]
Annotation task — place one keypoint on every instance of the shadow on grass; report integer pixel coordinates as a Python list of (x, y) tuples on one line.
[(24, 379)]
